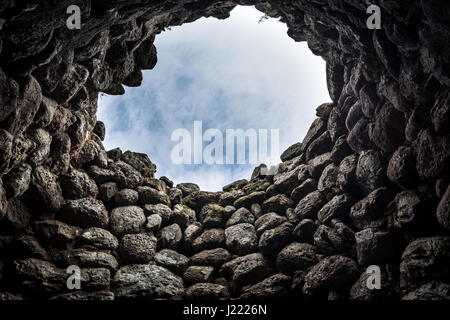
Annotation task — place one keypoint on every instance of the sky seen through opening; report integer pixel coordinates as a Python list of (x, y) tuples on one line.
[(228, 74)]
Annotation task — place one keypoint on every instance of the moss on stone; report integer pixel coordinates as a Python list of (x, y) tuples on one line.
[(260, 185), (188, 202), (238, 203), (216, 211)]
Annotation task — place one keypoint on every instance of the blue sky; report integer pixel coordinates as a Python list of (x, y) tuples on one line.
[(229, 74)]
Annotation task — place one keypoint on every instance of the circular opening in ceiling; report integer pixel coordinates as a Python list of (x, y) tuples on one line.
[(213, 76)]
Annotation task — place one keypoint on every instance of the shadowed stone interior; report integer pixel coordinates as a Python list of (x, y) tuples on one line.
[(368, 185)]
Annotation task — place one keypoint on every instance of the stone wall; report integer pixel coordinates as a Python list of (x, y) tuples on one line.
[(368, 185)]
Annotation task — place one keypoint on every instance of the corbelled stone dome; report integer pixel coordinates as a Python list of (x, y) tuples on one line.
[(367, 186)]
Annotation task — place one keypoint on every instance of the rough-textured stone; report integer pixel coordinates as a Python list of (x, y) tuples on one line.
[(238, 184), (57, 233), (172, 260), (190, 234), (148, 195), (160, 209), (40, 277), (440, 114), (370, 171), (157, 184), (256, 210), (402, 167), (248, 269), (268, 221), (140, 162), (207, 291), (119, 172), (77, 185), (18, 181), (70, 84), (85, 296), (130, 219), (358, 138), (329, 241), (188, 188), (273, 240), (337, 208), (107, 191), (153, 222), (146, 281), (298, 280), (303, 173), (175, 196), (212, 215), (328, 180), (30, 97), (308, 207), (318, 164), (316, 129), (85, 213), (286, 182), (213, 257), (198, 274), (340, 149), (209, 239), (241, 215), (42, 141), (291, 152), (7, 296), (228, 198), (8, 98), (85, 258), (138, 247), (361, 291), (95, 278), (126, 197), (6, 148), (182, 215), (99, 238), (17, 214), (257, 184), (296, 256), (305, 230), (443, 211), (46, 189), (388, 131), (331, 272), (279, 204), (346, 177), (430, 291), (27, 247), (319, 146), (170, 237), (411, 213), (376, 246), (441, 187), (370, 210), (308, 186), (248, 200), (433, 155), (241, 238), (425, 259), (145, 55), (275, 287)]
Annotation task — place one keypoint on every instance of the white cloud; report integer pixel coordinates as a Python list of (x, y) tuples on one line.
[(234, 73)]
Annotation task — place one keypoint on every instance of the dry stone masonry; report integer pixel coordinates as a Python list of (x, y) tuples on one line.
[(368, 185)]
